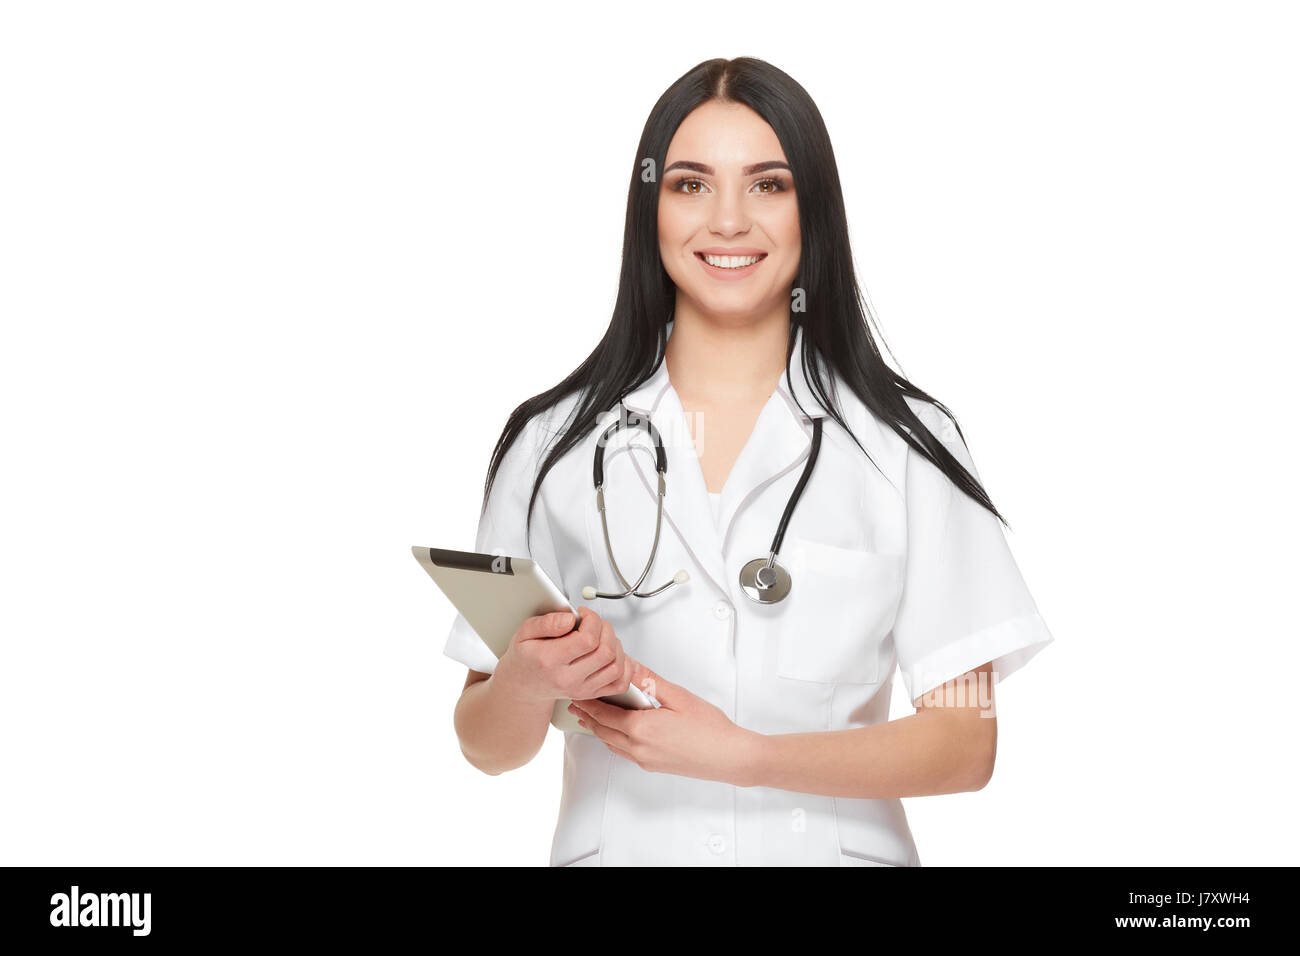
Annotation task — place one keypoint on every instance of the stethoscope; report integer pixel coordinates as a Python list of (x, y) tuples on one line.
[(763, 580)]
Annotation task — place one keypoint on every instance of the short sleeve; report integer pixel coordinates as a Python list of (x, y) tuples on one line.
[(964, 600), (501, 530)]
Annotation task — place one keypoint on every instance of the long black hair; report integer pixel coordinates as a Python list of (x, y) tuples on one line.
[(834, 322)]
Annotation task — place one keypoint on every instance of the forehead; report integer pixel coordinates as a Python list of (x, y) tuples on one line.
[(724, 134)]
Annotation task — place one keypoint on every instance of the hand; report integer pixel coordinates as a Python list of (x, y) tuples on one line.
[(549, 659), (687, 735)]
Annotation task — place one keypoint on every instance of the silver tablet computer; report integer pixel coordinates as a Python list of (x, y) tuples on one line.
[(496, 594)]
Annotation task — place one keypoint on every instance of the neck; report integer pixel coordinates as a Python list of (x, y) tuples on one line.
[(711, 359)]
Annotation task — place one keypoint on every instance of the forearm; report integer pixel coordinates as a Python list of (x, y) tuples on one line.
[(930, 752), (500, 730)]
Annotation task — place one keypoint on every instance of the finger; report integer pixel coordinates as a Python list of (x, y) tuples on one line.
[(619, 685), (546, 625), (620, 658), (582, 641), (619, 681), (603, 735), (604, 654), (597, 684), (610, 735), (610, 715)]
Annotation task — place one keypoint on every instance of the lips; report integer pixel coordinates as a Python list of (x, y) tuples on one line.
[(731, 265), (729, 262)]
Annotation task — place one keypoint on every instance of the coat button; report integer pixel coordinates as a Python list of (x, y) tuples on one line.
[(717, 845), (722, 610)]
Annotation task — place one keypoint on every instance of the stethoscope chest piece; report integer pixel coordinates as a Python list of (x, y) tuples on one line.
[(763, 584)]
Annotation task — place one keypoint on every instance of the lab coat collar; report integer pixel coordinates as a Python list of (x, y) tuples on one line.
[(779, 444)]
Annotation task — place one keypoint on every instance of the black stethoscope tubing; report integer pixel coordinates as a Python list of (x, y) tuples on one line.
[(763, 580)]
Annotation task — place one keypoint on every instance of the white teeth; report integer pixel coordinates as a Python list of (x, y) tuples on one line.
[(730, 262)]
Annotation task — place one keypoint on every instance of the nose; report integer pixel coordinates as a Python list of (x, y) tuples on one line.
[(728, 216)]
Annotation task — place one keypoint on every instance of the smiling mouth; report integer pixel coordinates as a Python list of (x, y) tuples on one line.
[(730, 262)]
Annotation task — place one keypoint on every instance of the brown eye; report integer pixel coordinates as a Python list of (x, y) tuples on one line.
[(692, 187)]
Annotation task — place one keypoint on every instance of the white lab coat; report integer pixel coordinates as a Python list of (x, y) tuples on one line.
[(890, 567)]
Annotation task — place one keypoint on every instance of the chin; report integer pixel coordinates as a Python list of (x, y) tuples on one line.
[(732, 306)]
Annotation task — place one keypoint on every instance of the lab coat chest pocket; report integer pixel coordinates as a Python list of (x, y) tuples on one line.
[(841, 607)]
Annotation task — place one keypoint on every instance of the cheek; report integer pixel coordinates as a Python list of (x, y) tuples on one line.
[(674, 230), (788, 228), (792, 238), (784, 230)]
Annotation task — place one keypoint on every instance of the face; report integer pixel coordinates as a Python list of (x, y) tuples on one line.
[(728, 217)]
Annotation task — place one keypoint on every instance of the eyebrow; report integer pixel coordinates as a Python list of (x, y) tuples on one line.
[(747, 171)]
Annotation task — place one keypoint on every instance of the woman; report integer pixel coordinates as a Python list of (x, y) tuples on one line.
[(740, 332)]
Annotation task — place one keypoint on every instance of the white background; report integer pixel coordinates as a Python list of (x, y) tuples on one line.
[(274, 274)]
